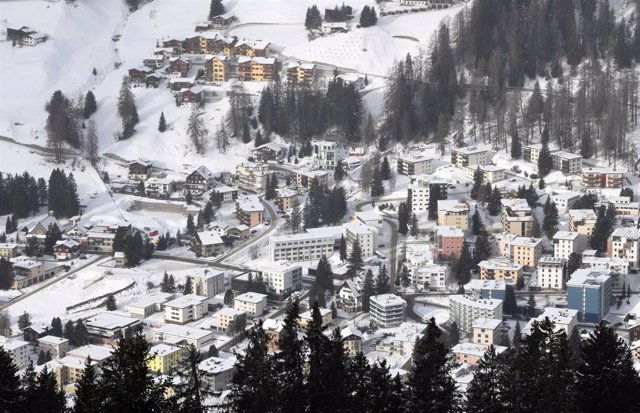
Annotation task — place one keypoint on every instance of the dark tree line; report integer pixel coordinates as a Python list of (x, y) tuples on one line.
[(63, 124), (63, 194), (299, 113), (324, 206), (21, 195), (368, 17)]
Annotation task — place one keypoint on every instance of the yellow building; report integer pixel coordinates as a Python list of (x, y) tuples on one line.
[(499, 269), (582, 221), (305, 318), (216, 69), (164, 358), (453, 213), (516, 218), (526, 251)]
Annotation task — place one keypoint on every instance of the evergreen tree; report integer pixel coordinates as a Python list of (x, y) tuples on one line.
[(91, 149), (198, 132), (415, 231), (191, 227), (134, 249), (289, 362), (216, 8), (171, 285), (111, 303), (604, 226), (313, 20), (294, 220), (355, 256), (162, 123), (339, 173), (228, 297), (541, 183), (545, 162), (382, 281), (189, 393), (56, 327), (478, 179), (385, 169), (495, 203), (246, 135), (431, 387), (11, 400), (368, 290), (531, 306), (87, 396), (343, 249), (80, 333), (517, 336), (90, 105), (126, 383), (377, 188), (368, 17), (405, 277), (483, 395), (41, 358), (42, 394), (53, 235), (573, 263), (403, 218), (24, 320), (6, 274), (69, 332), (188, 286), (550, 220), (516, 146), (127, 110)]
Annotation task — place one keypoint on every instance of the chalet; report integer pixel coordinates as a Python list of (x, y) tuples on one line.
[(159, 187), (33, 332), (195, 44), (359, 82), (26, 36), (223, 21), (262, 69), (176, 45), (153, 62), (343, 14), (301, 73), (208, 244), (240, 232), (223, 45), (191, 97), (153, 80), (65, 249), (255, 48), (39, 229), (138, 76), (166, 52), (203, 26), (338, 27), (350, 297), (8, 250), (244, 68), (179, 65), (179, 83), (217, 69), (220, 227), (139, 170), (270, 151), (199, 181)]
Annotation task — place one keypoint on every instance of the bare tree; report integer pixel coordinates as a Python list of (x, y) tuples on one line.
[(91, 148), (197, 132), (222, 138)]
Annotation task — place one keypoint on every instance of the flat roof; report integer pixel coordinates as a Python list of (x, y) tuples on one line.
[(469, 150), (526, 241), (97, 353), (580, 214), (163, 349), (490, 323), (110, 320), (483, 303), (52, 340), (250, 297), (566, 235), (388, 299), (186, 301), (183, 331)]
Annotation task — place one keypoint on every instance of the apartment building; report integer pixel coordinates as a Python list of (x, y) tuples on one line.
[(420, 190), (625, 243), (286, 198), (430, 277), (327, 154), (56, 346), (301, 73), (306, 318), (465, 310), (253, 177), (217, 69), (229, 320), (250, 211), (624, 206), (500, 269), (262, 69), (414, 165), (582, 221), (218, 372), (552, 272), (185, 309), (253, 304), (567, 242), (602, 178), (178, 335), (19, 351), (371, 218), (563, 319), (516, 218), (490, 173), (590, 293), (149, 304), (615, 264), (107, 327), (453, 213), (565, 200), (449, 242), (387, 310), (300, 247), (469, 156), (566, 162), (304, 179), (281, 278), (526, 251), (208, 244), (485, 331), (8, 250), (351, 341), (365, 235), (163, 358), (472, 353), (208, 283)]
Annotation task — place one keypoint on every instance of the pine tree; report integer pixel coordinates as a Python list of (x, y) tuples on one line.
[(87, 396), (111, 303), (91, 149), (478, 178), (495, 203), (90, 105), (382, 281), (405, 277), (550, 220), (294, 220), (191, 227), (313, 20), (69, 332), (483, 395), (403, 218), (222, 139), (289, 362), (162, 123), (189, 393), (339, 173), (216, 8), (516, 146), (24, 320), (531, 306), (545, 162), (9, 383), (377, 188), (246, 135), (197, 132), (343, 249), (415, 231), (368, 290), (56, 327), (188, 286), (355, 256), (517, 336), (42, 394), (127, 110), (385, 169), (134, 249)]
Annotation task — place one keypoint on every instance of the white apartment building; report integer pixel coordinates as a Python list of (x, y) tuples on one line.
[(567, 242), (614, 264), (485, 331), (414, 164), (582, 221), (468, 156), (253, 177), (490, 173), (208, 283), (387, 310), (281, 277), (465, 310), (552, 273), (19, 351), (219, 372), (253, 304), (327, 154), (565, 200), (625, 243), (185, 309), (229, 320), (564, 319), (431, 277), (301, 247), (370, 217), (179, 335), (419, 191), (453, 213), (366, 236)]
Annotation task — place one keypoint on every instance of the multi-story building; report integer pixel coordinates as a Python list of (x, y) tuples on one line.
[(183, 335), (582, 221), (269, 152), (229, 320), (590, 293), (516, 218), (327, 154), (159, 187), (602, 178), (19, 351), (208, 283), (430, 277), (184, 309), (149, 304), (617, 265), (253, 304), (351, 341), (468, 156), (566, 242), (218, 372), (217, 69), (301, 73), (531, 153), (415, 164), (449, 242), (500, 269), (8, 250), (307, 317), (163, 358), (625, 243), (485, 331), (253, 177), (56, 346), (624, 206), (566, 162), (526, 251), (199, 181), (304, 179), (350, 296), (387, 310), (420, 190), (281, 278), (29, 272), (488, 288), (472, 353), (250, 211), (366, 236), (262, 69), (552, 273), (490, 173), (453, 213), (565, 200), (300, 247), (108, 327), (208, 244), (286, 198), (563, 319), (465, 310)]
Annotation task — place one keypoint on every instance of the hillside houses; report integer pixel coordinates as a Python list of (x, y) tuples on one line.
[(26, 36)]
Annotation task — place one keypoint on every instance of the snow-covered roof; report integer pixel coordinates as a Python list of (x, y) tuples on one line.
[(626, 233), (581, 214), (566, 235), (487, 323), (13, 344), (481, 303), (502, 263), (230, 312), (69, 243), (52, 340), (185, 301), (370, 215), (250, 203), (250, 297), (8, 245), (274, 146), (587, 276), (183, 331), (526, 242), (348, 331), (469, 150), (216, 365), (110, 321), (163, 349), (473, 349), (152, 299), (566, 155), (209, 238), (449, 231), (388, 299), (550, 261), (97, 353), (358, 228), (264, 60), (286, 192)]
